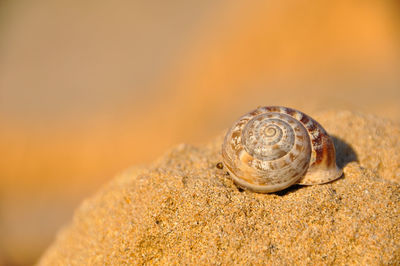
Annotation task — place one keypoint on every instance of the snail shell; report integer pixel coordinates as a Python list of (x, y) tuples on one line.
[(274, 147)]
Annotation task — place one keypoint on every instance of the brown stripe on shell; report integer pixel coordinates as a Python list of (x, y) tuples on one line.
[(319, 152), (288, 160), (244, 120), (255, 112), (324, 149), (290, 111), (272, 165), (283, 163), (304, 119), (235, 139), (282, 109), (311, 127), (236, 134), (273, 108), (317, 139), (318, 146), (291, 156), (329, 150)]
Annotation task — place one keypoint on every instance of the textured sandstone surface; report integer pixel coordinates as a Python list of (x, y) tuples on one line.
[(182, 209)]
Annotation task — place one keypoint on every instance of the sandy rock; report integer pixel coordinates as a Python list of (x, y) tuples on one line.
[(182, 209)]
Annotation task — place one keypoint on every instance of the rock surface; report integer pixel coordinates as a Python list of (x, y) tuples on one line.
[(182, 209)]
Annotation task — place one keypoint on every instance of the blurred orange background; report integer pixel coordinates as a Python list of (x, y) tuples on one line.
[(89, 88)]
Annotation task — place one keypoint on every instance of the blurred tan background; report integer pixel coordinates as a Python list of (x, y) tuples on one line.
[(89, 88)]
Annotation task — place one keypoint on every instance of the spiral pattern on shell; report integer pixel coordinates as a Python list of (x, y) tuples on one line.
[(273, 147)]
